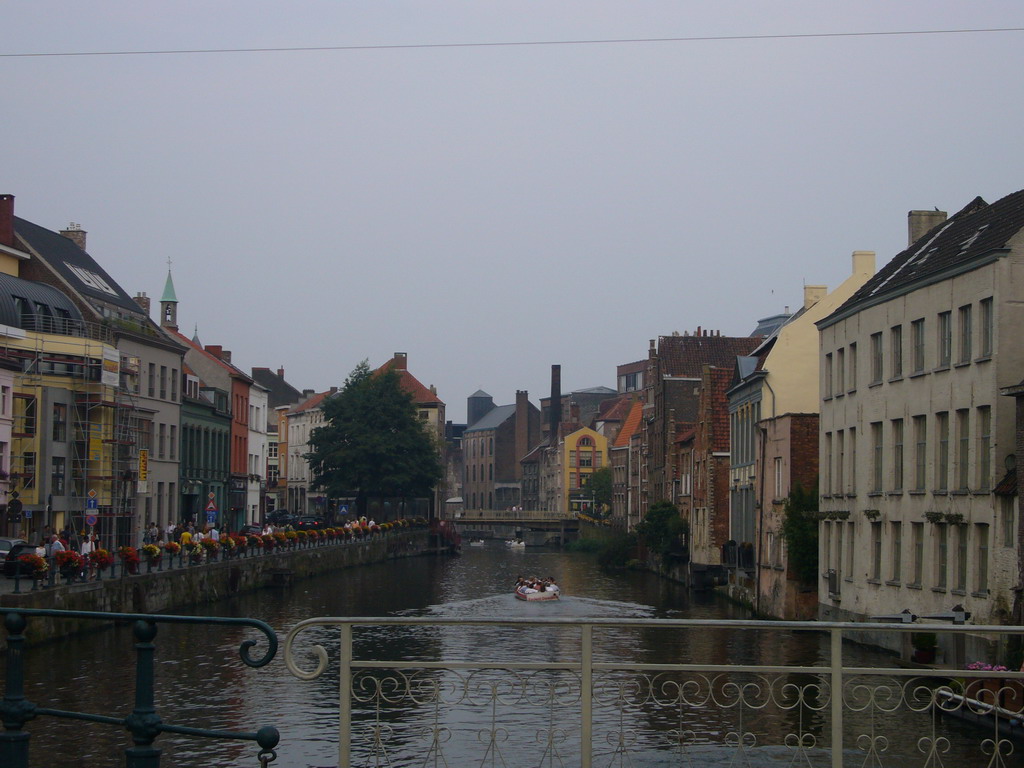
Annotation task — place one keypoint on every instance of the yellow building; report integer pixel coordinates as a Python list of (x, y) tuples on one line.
[(582, 453)]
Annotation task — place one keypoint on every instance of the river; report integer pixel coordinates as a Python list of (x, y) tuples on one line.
[(202, 683)]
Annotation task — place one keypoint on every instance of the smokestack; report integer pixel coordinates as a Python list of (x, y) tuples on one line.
[(920, 223), (522, 430), (75, 234), (555, 414), (7, 220), (401, 361)]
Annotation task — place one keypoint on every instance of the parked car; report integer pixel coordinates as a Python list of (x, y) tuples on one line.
[(309, 523), (11, 564), (250, 530), (275, 517), (6, 543)]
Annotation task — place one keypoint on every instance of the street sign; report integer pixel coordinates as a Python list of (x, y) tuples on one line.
[(92, 504), (343, 509), (211, 507), (211, 517), (90, 519), (92, 493), (28, 514)]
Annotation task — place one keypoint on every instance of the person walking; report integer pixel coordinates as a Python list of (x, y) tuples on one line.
[(88, 547)]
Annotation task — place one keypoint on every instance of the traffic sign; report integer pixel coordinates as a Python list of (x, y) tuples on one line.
[(211, 517), (92, 503), (90, 519), (92, 493), (211, 507), (343, 509)]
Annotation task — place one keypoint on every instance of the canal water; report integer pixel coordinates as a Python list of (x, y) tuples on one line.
[(202, 683)]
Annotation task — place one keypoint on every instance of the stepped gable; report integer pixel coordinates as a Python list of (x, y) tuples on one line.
[(969, 235), (687, 355)]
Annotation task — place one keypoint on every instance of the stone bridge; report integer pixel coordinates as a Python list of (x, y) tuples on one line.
[(535, 528)]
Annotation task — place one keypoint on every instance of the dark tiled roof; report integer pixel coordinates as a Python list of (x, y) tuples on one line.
[(687, 355), (74, 265), (493, 418), (614, 409), (966, 237), (280, 392)]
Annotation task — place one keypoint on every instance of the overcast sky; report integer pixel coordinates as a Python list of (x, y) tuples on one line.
[(491, 210)]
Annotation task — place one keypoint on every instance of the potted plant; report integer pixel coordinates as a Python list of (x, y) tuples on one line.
[(924, 644), (152, 554), (70, 563), (101, 559), (172, 548), (129, 559), (33, 565)]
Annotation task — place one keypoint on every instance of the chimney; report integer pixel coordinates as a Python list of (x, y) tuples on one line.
[(219, 352), (400, 361), (812, 295), (334, 390), (7, 220), (143, 301), (280, 372), (75, 234), (864, 263), (920, 223), (555, 412), (522, 431)]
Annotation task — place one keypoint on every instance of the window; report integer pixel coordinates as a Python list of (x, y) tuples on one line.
[(850, 542), (151, 384), (876, 551), (828, 463), (961, 557), (942, 451), (963, 446), (917, 542), (876, 358), (826, 546), (920, 451), (840, 461), (942, 555), (28, 471), (896, 529), (174, 441), (57, 475), (945, 339), (917, 339), (5, 401), (876, 457), (853, 459), (60, 422), (984, 459), (828, 375), (965, 334), (778, 477), (853, 367), (161, 446), (840, 371), (987, 327), (840, 530), (174, 386), (586, 458), (897, 454), (896, 343), (981, 537), (24, 416), (1006, 506)]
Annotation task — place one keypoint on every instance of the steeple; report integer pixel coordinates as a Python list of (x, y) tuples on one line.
[(169, 304)]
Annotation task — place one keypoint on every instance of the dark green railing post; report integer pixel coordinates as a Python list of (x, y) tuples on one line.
[(143, 722), (15, 710)]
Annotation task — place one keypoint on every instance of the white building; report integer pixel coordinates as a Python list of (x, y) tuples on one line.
[(914, 432)]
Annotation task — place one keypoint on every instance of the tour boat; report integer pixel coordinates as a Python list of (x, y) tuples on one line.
[(522, 594), (515, 543), (477, 543)]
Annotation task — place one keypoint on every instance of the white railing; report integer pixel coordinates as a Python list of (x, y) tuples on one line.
[(563, 691)]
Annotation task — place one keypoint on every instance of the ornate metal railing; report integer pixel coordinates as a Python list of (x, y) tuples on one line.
[(143, 722), (564, 691)]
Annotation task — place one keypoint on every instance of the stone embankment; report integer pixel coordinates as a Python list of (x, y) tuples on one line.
[(184, 585)]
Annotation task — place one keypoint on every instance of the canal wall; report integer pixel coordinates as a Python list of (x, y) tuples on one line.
[(165, 590)]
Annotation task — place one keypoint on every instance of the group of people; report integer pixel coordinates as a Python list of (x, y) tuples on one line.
[(530, 584)]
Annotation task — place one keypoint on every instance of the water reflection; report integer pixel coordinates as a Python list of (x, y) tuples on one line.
[(201, 682)]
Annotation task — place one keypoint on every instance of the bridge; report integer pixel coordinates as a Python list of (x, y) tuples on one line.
[(535, 527)]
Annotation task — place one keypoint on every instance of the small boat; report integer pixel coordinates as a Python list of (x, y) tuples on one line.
[(522, 594), (477, 543), (515, 543)]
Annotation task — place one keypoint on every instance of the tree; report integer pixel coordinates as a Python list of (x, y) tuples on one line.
[(372, 444), (599, 486), (800, 530), (662, 528)]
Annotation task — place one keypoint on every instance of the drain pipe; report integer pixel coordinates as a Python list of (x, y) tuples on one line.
[(760, 503)]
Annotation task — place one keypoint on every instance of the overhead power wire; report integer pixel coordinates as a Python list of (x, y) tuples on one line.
[(514, 44)]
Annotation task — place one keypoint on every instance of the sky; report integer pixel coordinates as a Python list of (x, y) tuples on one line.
[(421, 185)]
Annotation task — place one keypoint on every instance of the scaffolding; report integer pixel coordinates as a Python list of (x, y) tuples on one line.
[(77, 391)]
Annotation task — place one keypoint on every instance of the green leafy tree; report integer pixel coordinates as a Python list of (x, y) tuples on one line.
[(662, 528), (599, 486), (372, 444), (800, 530)]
